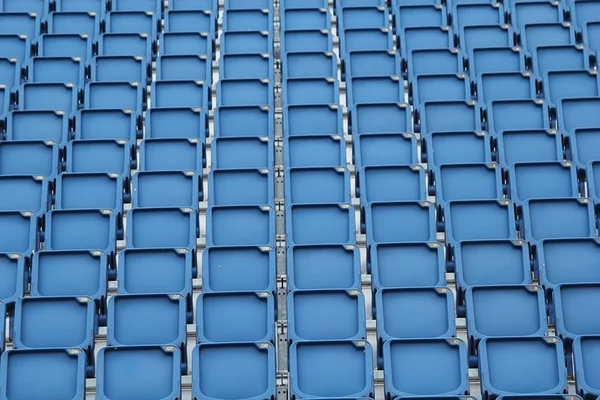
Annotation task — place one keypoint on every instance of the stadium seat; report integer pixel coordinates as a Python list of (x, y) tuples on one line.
[(18, 232), (320, 224), (73, 22), (467, 182), (56, 70), (15, 47), (62, 45), (464, 15), (305, 19), (423, 38), (558, 218), (233, 187), (479, 220), (235, 317), (591, 35), (248, 42), (563, 84), (389, 89), (190, 21), (529, 146), (583, 146), (48, 96), (162, 227), (39, 7), (240, 225), (423, 264), (578, 113), (247, 120), (439, 87), (353, 39), (12, 268), (238, 268), (545, 34), (194, 5), (90, 125), (314, 267), (313, 119), (166, 189), (171, 155), (456, 148), (38, 125), (392, 183), (522, 365), (312, 40), (445, 116), (342, 368), (305, 4), (149, 6), (542, 180), (420, 367), (247, 20), (242, 152), (252, 367), (10, 72), (527, 12), (434, 61), (410, 16), (169, 122), (572, 312), (310, 65), (505, 86), (178, 93), (317, 185), (120, 95), (517, 114), (182, 67), (20, 23), (363, 17), (592, 180), (314, 151), (107, 156), (246, 66), (185, 43), (60, 373), (489, 36), (119, 68), (138, 22), (89, 191), (583, 11), (29, 158), (585, 350), (495, 59), (368, 63), (400, 221), (326, 315), (299, 91), (97, 6), (148, 371), (244, 92), (381, 118), (125, 44), (385, 149), (248, 4), (559, 58)]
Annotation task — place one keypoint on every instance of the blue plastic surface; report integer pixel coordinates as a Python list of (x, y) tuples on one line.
[(80, 230), (400, 221), (89, 125), (57, 70), (48, 96), (578, 113), (10, 72), (305, 19), (242, 152), (542, 180), (171, 155), (468, 182), (166, 189), (313, 119), (314, 151), (246, 66), (246, 42), (190, 21), (320, 224), (310, 65), (505, 86), (447, 116), (73, 22), (248, 20), (392, 183), (388, 89), (15, 47), (184, 67), (585, 350), (517, 114), (479, 220), (12, 268), (119, 68), (439, 87), (385, 149), (353, 39), (240, 187), (529, 146), (162, 227), (381, 118), (24, 193), (121, 95), (19, 23), (125, 44), (317, 185), (307, 40), (89, 191), (240, 225), (247, 120), (573, 313), (435, 61), (29, 158), (545, 34), (245, 92), (64, 45), (457, 148), (18, 232), (182, 43), (107, 156)]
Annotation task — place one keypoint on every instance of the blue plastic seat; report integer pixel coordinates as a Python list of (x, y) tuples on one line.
[(385, 149), (505, 86), (235, 317), (456, 148), (176, 93), (171, 155), (315, 267), (119, 68), (348, 3), (90, 124), (120, 95), (18, 232), (593, 173), (363, 17), (392, 183), (24, 193), (577, 113), (56, 70), (467, 182), (312, 119), (331, 369), (558, 218), (434, 61), (410, 16), (381, 118), (477, 14), (150, 6), (15, 47), (354, 39), (107, 156), (240, 225), (389, 89), (238, 268), (247, 4), (309, 40), (368, 63), (140, 22), (479, 220), (591, 35), (542, 180), (184, 43), (505, 310), (419, 367), (248, 20), (89, 191), (163, 123), (568, 261), (504, 115), (539, 397), (566, 84), (314, 151), (181, 67), (64, 45), (423, 38), (584, 11), (559, 58), (60, 372), (423, 264), (252, 367), (70, 273), (194, 5), (125, 44), (246, 42), (19, 23), (244, 92), (399, 221), (439, 87), (585, 350), (147, 371), (6, 100), (326, 315), (478, 36), (239, 152), (166, 189), (522, 365), (408, 313), (10, 72), (12, 268), (73, 22), (572, 310), (38, 125), (305, 19), (240, 187), (495, 59), (48, 96), (162, 227), (305, 4), (244, 121), (528, 12), (97, 6), (29, 158), (246, 66), (317, 185), (529, 146), (190, 21), (545, 34), (298, 91), (39, 7), (320, 224), (310, 65), (448, 116)]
